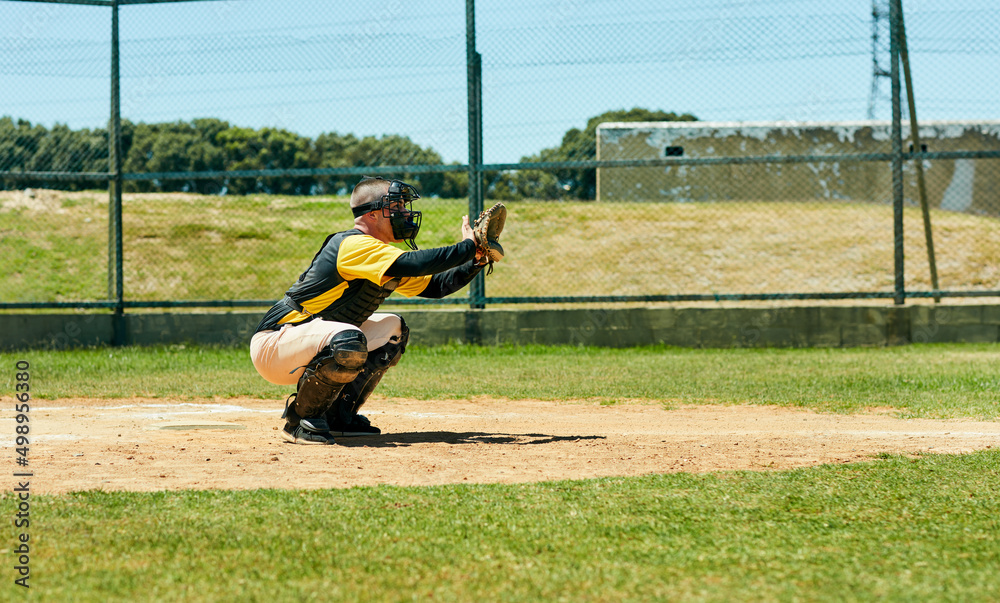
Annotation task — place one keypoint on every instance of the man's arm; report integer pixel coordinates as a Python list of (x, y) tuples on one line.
[(450, 281), (433, 261)]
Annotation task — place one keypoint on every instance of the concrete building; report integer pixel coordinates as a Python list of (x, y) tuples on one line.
[(964, 185)]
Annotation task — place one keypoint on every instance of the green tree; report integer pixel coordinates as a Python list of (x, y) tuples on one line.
[(62, 149), (512, 185), (172, 147), (398, 150), (18, 143), (332, 151), (454, 185), (267, 149), (211, 144)]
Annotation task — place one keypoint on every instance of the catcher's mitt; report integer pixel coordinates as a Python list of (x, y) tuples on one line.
[(486, 230)]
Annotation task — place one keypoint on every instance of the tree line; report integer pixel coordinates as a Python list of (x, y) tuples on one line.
[(211, 144)]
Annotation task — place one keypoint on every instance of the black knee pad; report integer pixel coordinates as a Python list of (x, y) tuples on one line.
[(342, 359)]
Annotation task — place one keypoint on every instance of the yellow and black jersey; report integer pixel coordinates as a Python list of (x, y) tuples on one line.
[(353, 273)]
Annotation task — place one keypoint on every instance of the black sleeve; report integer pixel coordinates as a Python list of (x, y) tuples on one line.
[(432, 261), (450, 281)]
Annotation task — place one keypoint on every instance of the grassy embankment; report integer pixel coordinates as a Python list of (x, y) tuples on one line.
[(194, 247)]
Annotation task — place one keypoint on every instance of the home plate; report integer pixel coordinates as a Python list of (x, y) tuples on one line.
[(186, 425)]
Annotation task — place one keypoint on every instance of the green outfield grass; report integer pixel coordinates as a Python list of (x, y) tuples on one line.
[(198, 247), (894, 529), (934, 380)]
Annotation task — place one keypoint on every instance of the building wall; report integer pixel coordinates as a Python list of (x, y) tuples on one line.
[(959, 185)]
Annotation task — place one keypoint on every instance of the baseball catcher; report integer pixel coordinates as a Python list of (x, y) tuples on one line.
[(325, 336)]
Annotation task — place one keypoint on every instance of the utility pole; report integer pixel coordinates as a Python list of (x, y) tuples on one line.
[(880, 52)]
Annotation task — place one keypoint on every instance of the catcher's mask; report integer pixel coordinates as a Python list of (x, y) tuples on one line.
[(404, 221)]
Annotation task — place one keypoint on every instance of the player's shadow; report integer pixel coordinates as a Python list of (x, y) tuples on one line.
[(392, 440)]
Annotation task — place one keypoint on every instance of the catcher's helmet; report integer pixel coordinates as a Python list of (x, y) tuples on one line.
[(405, 222)]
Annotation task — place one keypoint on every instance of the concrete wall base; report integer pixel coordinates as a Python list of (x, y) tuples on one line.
[(795, 327)]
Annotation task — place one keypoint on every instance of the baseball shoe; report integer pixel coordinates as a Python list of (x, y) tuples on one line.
[(308, 431), (359, 426)]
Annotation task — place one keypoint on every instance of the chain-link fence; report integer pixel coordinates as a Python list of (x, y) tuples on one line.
[(726, 150)]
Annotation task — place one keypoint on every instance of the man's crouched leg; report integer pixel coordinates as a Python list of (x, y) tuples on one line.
[(343, 417), (336, 365)]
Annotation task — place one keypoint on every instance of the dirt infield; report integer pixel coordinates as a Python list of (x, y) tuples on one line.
[(163, 444)]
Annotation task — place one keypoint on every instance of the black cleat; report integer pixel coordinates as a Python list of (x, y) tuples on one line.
[(308, 431), (359, 426)]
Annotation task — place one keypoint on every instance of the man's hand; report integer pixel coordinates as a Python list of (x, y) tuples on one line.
[(468, 233)]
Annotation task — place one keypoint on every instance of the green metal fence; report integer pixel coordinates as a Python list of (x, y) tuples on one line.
[(749, 173)]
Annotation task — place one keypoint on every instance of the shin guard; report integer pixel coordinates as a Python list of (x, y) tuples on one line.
[(336, 365)]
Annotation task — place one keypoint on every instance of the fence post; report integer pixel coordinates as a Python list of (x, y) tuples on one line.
[(477, 290), (919, 163), (115, 263), (897, 155)]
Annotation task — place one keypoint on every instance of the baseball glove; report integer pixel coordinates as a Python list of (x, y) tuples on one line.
[(486, 230)]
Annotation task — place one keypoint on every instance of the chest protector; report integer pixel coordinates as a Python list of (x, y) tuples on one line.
[(361, 299)]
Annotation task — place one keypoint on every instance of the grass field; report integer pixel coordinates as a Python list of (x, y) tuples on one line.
[(191, 247), (895, 528)]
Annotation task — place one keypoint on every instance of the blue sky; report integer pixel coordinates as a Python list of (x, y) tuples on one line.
[(395, 67)]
